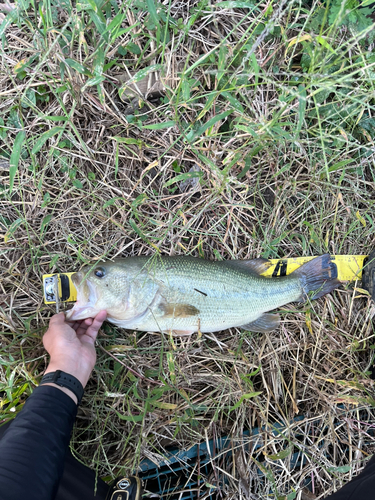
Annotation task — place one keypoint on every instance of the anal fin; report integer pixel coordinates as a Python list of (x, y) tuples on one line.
[(180, 333), (264, 324)]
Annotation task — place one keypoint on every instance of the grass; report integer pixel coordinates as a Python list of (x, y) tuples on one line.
[(247, 129)]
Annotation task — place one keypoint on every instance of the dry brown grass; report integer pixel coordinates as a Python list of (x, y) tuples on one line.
[(314, 371)]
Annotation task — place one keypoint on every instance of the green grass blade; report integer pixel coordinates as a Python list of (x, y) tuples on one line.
[(15, 157), (44, 138)]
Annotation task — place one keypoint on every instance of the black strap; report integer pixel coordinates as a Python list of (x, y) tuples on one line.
[(64, 380)]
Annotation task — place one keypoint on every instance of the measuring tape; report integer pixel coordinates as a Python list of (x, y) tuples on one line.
[(59, 288), (343, 267)]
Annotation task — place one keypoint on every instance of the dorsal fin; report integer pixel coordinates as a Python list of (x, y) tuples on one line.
[(255, 266)]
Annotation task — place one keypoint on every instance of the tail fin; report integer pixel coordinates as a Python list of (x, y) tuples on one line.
[(319, 275)]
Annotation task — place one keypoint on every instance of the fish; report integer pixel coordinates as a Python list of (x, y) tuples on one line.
[(182, 294)]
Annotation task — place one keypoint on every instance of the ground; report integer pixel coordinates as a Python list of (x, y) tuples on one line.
[(223, 130)]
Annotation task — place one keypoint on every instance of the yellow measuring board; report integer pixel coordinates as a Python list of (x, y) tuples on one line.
[(60, 283), (349, 267), (345, 267)]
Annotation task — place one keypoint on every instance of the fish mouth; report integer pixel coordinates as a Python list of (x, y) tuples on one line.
[(85, 306)]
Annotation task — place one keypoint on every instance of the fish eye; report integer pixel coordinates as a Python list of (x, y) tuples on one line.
[(99, 272)]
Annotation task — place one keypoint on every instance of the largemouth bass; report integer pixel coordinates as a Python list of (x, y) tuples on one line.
[(183, 295)]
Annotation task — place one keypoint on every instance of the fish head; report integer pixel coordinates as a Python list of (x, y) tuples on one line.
[(104, 286)]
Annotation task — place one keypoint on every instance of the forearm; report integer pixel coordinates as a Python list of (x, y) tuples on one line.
[(361, 487), (33, 449)]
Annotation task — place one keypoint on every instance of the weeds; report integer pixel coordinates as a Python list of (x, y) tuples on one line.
[(222, 130)]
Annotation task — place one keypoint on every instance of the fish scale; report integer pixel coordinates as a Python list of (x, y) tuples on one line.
[(233, 297), (184, 294)]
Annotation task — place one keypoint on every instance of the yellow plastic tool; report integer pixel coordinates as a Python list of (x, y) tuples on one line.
[(60, 286), (347, 267)]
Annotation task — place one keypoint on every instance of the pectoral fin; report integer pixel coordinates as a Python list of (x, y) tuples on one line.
[(265, 324), (178, 310)]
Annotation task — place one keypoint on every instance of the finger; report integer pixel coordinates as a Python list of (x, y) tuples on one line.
[(101, 316), (79, 322), (7, 7), (81, 331), (73, 324), (92, 330), (81, 326), (57, 319)]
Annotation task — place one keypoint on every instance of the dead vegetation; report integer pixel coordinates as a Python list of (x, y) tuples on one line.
[(226, 159)]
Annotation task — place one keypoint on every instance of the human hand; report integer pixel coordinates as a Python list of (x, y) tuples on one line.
[(6, 7), (71, 345)]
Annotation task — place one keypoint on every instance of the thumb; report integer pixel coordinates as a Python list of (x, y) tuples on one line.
[(93, 329), (57, 319)]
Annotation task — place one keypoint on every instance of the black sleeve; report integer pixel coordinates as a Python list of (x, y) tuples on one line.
[(32, 450), (362, 487)]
